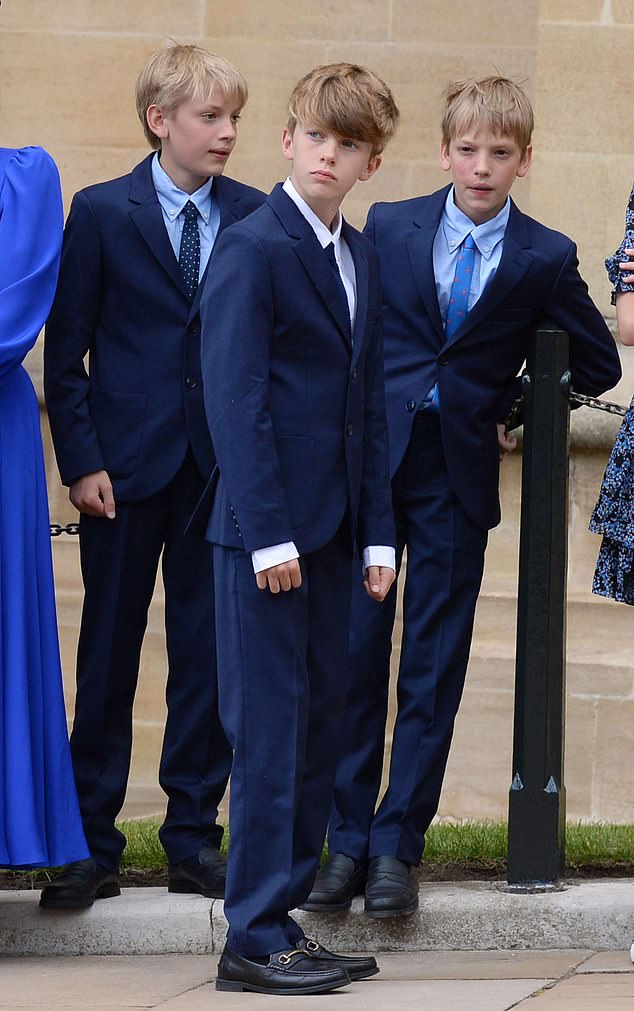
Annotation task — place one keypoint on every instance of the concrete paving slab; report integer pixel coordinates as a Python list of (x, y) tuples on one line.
[(592, 992), (146, 921), (483, 965), (608, 961), (372, 995), (101, 982)]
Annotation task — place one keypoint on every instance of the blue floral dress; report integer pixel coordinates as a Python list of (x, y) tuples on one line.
[(613, 515)]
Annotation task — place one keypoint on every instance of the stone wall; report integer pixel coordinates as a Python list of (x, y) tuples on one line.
[(66, 82)]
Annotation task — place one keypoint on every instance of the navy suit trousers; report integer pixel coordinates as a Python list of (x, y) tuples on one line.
[(282, 695), (119, 560), (445, 559)]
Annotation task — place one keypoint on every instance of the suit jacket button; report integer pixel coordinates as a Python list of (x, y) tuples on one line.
[(411, 405), (443, 361), (190, 383), (354, 373), (349, 430), (193, 328)]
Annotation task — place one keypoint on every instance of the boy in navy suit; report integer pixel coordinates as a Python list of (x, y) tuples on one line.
[(293, 368), (132, 443), (465, 278)]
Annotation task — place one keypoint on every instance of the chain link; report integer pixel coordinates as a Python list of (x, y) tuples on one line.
[(598, 405), (68, 528)]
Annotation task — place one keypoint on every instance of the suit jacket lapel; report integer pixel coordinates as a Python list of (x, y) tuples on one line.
[(515, 261), (312, 257), (229, 208), (420, 245), (146, 213)]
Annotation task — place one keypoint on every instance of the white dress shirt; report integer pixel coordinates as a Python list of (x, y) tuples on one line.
[(276, 554)]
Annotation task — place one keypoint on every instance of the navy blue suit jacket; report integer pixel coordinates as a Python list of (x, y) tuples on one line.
[(121, 300), (476, 368), (298, 417)]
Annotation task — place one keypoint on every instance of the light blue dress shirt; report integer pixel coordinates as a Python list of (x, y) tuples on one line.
[(172, 201), (452, 231)]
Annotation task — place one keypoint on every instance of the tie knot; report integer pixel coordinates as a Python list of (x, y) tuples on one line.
[(469, 242), (330, 253), (190, 211)]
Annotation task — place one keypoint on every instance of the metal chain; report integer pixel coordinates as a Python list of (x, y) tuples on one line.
[(68, 528), (598, 405)]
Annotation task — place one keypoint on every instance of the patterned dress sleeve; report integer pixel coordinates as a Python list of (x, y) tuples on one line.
[(612, 262), (31, 223)]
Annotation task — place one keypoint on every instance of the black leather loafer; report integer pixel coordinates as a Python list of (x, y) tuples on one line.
[(205, 874), (286, 972), (78, 885), (357, 967), (391, 889), (336, 884)]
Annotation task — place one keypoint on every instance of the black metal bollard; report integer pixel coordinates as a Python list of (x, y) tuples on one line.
[(537, 800)]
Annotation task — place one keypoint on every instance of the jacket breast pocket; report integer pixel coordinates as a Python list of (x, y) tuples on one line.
[(120, 421), (296, 454)]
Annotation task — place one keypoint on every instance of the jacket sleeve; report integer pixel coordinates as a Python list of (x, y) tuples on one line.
[(376, 520), (69, 336), (237, 328), (594, 358)]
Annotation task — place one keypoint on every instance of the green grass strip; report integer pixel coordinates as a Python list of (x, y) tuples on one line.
[(466, 843)]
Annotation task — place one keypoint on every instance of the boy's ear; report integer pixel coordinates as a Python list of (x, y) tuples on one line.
[(371, 167), (287, 144), (445, 160), (156, 120), (525, 162)]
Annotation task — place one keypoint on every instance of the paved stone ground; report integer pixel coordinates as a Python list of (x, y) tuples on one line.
[(569, 980)]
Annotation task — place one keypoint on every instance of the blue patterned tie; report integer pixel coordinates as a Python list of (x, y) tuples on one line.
[(189, 255), (461, 286), (458, 304), (330, 253)]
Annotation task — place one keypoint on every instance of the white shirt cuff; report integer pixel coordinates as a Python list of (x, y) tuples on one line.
[(379, 554), (276, 554)]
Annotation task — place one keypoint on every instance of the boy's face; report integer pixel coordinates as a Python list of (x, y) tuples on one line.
[(196, 139), (483, 167), (326, 166)]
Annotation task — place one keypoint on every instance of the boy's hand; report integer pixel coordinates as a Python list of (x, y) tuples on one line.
[(92, 494), (627, 267), (285, 576), (506, 442), (377, 580)]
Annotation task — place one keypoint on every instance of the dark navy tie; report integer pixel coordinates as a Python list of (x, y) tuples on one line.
[(461, 286), (189, 255), (330, 253)]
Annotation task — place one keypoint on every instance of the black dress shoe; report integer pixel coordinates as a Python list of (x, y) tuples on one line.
[(391, 889), (337, 882), (286, 972), (78, 885), (205, 874), (357, 967)]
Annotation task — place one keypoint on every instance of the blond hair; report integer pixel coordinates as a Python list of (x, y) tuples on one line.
[(495, 102), (348, 100), (179, 73)]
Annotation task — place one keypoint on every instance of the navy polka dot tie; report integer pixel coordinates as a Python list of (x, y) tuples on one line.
[(189, 256)]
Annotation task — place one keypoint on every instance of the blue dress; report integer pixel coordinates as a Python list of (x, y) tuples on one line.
[(40, 823), (613, 515)]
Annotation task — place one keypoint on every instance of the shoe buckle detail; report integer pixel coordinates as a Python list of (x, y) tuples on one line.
[(312, 945), (287, 956)]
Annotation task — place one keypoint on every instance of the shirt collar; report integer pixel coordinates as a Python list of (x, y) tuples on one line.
[(172, 200), (456, 226), (322, 232)]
